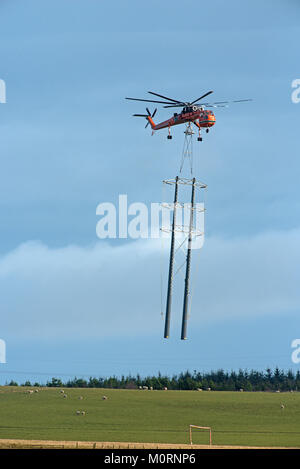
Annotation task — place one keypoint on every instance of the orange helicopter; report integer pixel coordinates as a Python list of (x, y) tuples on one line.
[(191, 112)]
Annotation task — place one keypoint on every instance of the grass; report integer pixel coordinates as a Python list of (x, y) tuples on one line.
[(250, 419)]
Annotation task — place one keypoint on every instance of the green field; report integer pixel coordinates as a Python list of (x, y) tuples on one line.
[(236, 418)]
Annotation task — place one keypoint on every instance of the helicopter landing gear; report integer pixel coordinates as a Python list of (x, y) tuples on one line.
[(199, 139), (207, 130), (169, 137)]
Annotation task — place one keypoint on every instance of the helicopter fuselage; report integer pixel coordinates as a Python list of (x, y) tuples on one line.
[(201, 117)]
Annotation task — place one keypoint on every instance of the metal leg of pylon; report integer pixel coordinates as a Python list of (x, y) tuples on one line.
[(171, 266), (188, 268)]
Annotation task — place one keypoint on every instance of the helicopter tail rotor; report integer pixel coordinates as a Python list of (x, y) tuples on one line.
[(147, 116)]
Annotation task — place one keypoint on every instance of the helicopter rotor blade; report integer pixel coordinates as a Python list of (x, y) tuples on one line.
[(216, 105), (241, 100), (201, 97), (176, 105), (154, 113), (148, 100), (235, 101), (161, 96)]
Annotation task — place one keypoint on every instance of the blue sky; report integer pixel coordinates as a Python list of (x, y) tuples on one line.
[(73, 304)]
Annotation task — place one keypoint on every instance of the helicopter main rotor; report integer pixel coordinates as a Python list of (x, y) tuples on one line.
[(170, 102)]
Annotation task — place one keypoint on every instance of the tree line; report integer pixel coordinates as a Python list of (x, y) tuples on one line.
[(220, 380)]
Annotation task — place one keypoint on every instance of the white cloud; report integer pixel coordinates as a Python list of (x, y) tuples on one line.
[(106, 290)]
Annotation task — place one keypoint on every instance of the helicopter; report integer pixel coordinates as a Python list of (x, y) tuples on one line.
[(192, 111)]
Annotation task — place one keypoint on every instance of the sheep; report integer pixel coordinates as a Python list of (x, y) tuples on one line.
[(65, 395), (80, 398), (199, 389), (282, 406), (77, 412), (62, 391), (104, 398), (165, 389), (83, 412)]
